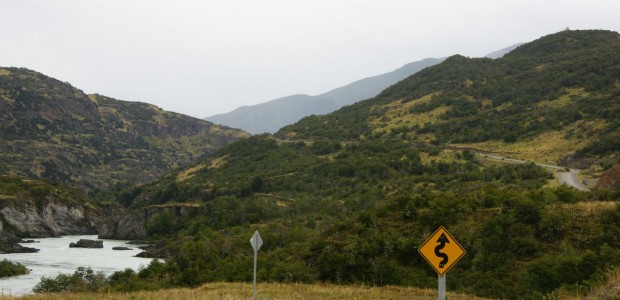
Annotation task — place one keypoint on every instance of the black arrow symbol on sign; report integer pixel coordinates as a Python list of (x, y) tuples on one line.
[(442, 243)]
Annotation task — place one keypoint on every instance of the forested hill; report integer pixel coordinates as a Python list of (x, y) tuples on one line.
[(562, 89), (51, 130), (349, 197)]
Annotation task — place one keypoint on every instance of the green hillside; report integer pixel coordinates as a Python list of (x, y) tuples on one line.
[(562, 89), (348, 197), (51, 130)]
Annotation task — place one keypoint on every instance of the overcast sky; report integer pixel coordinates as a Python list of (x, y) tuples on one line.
[(207, 57)]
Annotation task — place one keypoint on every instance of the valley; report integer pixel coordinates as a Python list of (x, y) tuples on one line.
[(477, 145)]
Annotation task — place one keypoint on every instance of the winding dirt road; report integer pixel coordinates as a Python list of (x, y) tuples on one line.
[(567, 177), (570, 179)]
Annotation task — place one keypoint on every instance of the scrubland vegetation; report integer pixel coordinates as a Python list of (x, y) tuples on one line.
[(347, 198)]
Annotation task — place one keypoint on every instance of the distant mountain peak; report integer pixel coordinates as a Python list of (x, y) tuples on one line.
[(501, 52), (272, 115), (275, 114)]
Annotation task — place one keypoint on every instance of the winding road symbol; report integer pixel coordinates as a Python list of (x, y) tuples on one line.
[(442, 243), (441, 251)]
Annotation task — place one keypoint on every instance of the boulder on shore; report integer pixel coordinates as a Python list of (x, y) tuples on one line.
[(121, 248), (154, 251), (84, 243), (29, 241)]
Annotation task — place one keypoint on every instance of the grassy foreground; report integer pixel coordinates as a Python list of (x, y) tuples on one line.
[(230, 291), (608, 289)]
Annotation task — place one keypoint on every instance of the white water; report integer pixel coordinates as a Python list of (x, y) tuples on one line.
[(56, 257)]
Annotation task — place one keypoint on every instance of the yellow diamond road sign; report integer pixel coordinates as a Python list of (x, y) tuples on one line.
[(441, 251)]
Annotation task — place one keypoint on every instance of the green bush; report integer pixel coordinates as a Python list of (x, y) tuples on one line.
[(84, 279), (8, 269)]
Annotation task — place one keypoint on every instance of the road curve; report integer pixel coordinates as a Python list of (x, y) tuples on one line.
[(569, 178)]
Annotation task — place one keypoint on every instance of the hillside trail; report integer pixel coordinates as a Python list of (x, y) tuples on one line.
[(568, 176)]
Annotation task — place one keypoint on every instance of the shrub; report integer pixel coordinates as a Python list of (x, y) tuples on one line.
[(83, 279), (8, 269)]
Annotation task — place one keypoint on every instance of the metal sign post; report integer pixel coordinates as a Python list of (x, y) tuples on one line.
[(442, 287), (442, 252), (256, 241)]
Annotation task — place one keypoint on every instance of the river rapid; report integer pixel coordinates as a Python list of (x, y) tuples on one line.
[(56, 257)]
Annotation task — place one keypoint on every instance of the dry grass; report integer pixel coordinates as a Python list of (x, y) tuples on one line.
[(553, 182), (160, 118), (218, 162), (399, 115), (446, 155), (548, 147), (609, 289), (177, 204), (271, 291), (190, 172), (397, 120), (590, 208), (228, 132), (564, 99)]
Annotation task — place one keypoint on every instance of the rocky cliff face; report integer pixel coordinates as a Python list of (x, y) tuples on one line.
[(123, 224), (133, 224), (19, 218), (39, 208), (48, 220)]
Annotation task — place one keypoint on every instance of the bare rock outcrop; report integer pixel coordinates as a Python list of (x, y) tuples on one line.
[(46, 219), (10, 245), (610, 179), (132, 224), (154, 251), (85, 243), (124, 224), (121, 248)]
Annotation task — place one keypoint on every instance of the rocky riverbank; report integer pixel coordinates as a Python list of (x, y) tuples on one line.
[(10, 245), (27, 219), (52, 216), (132, 224)]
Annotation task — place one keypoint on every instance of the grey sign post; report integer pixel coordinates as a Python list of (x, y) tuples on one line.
[(442, 287), (256, 242)]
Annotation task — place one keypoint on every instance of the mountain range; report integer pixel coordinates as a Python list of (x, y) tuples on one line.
[(275, 114)]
